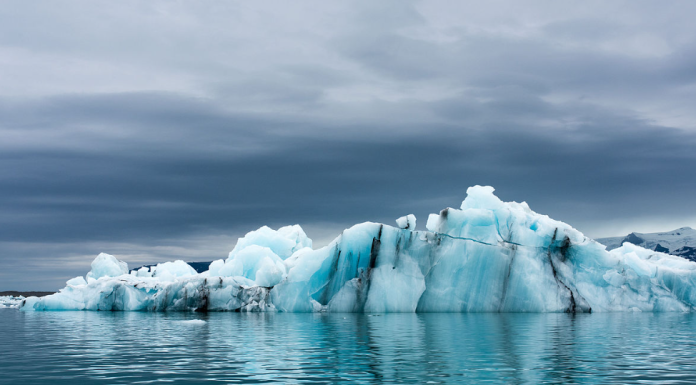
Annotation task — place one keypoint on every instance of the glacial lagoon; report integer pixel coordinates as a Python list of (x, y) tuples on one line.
[(227, 347)]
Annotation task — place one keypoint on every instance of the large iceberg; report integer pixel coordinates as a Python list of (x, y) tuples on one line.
[(487, 256)]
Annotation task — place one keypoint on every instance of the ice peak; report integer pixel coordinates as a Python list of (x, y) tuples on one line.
[(407, 222), (106, 265), (283, 242), (481, 197)]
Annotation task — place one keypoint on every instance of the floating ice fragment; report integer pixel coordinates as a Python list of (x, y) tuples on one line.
[(10, 301), (193, 322)]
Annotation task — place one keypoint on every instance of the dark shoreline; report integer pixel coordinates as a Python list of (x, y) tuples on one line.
[(26, 293)]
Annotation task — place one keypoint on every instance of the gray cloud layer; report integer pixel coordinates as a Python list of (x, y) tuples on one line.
[(165, 130)]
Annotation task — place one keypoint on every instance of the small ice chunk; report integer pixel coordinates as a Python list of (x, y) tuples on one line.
[(194, 322), (407, 222), (10, 301)]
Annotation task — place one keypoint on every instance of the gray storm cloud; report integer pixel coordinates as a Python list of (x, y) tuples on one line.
[(164, 130)]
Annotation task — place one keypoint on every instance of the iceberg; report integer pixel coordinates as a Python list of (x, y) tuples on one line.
[(10, 301), (486, 256)]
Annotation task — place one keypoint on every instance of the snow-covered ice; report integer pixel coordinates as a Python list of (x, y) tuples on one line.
[(486, 256), (668, 241), (681, 242)]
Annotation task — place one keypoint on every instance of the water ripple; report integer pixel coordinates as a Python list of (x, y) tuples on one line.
[(146, 348)]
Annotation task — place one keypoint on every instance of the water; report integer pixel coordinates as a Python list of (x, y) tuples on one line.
[(142, 348)]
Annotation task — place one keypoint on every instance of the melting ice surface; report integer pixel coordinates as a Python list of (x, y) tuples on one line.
[(487, 256)]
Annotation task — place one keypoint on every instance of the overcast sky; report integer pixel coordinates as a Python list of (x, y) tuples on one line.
[(165, 130)]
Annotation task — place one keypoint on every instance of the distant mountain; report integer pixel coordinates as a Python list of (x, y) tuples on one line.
[(25, 293), (681, 242)]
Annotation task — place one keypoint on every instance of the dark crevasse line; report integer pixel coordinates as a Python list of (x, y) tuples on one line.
[(572, 308), (486, 243), (507, 279), (333, 270), (374, 253), (204, 293)]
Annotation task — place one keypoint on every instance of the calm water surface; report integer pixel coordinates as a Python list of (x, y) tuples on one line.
[(141, 348)]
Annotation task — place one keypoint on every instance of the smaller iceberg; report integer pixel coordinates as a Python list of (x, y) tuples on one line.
[(10, 301), (485, 256)]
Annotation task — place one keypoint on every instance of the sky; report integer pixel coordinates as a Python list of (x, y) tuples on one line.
[(166, 130)]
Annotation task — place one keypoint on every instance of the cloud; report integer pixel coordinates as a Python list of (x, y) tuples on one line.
[(167, 130)]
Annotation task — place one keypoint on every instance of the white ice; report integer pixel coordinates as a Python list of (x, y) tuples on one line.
[(486, 256), (407, 222), (670, 240), (170, 271), (9, 301), (194, 322), (256, 263), (283, 242), (106, 265)]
